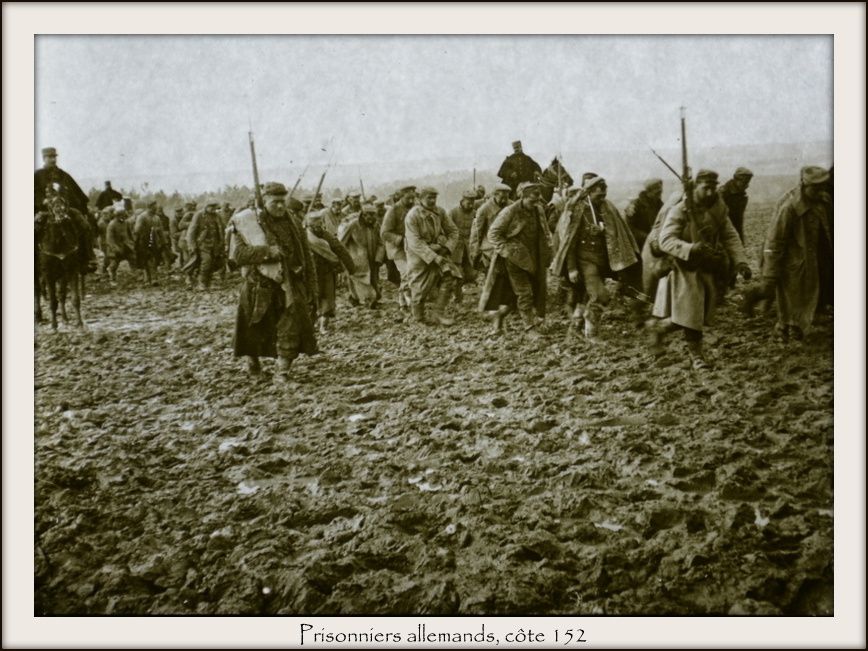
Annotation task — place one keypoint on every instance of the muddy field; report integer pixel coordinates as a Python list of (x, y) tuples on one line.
[(427, 470)]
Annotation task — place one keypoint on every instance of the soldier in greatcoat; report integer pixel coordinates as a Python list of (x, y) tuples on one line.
[(279, 290), (330, 258), (430, 239), (205, 243), (462, 216), (480, 247), (521, 252), (392, 234), (704, 246), (361, 238)]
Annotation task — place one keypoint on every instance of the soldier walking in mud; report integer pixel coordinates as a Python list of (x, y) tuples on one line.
[(361, 238), (462, 216), (431, 237), (205, 244), (119, 241), (798, 242), (479, 246), (517, 274), (392, 234), (329, 256), (703, 246), (642, 211), (152, 243), (279, 293), (734, 195), (595, 244)]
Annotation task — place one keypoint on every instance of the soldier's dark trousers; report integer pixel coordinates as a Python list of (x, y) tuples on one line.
[(522, 285)]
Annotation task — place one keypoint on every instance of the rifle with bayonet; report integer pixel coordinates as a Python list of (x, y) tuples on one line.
[(287, 280), (316, 193)]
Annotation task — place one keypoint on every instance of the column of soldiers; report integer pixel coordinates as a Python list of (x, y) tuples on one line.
[(673, 260)]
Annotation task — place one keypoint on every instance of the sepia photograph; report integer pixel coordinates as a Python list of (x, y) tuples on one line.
[(446, 327)]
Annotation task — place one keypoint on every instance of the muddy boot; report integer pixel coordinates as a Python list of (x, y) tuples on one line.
[(497, 318), (323, 323), (283, 366), (254, 368), (418, 310), (532, 324), (752, 296), (438, 310), (592, 321), (697, 357), (577, 319), (458, 294)]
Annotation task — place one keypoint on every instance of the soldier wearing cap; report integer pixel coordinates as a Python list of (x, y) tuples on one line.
[(279, 293), (354, 203), (462, 216), (430, 239), (361, 237), (151, 241), (704, 248), (595, 243), (205, 243), (797, 244), (330, 257), (518, 167), (332, 216), (481, 250), (50, 174), (392, 234), (734, 195), (120, 245), (521, 250)]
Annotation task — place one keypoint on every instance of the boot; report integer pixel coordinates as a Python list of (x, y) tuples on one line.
[(497, 319), (459, 294), (323, 325), (283, 366), (437, 310), (592, 320), (532, 324), (253, 366), (694, 349), (418, 310), (577, 318)]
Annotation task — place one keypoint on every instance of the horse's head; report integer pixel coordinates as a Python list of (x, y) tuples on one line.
[(57, 232)]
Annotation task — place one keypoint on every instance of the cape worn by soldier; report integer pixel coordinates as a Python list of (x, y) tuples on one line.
[(279, 284), (330, 257), (430, 239), (521, 254), (361, 238)]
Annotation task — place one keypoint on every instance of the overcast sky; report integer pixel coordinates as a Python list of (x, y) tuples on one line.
[(135, 105)]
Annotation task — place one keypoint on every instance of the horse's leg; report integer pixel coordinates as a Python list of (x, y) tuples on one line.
[(64, 285), (37, 296), (76, 298), (52, 301)]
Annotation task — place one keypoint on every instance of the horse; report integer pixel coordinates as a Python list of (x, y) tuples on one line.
[(555, 176), (59, 241)]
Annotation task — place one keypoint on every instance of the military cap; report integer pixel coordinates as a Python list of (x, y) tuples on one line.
[(369, 208), (128, 203), (812, 175), (516, 143), (190, 204), (275, 189), (380, 202), (589, 183), (295, 205), (589, 175), (152, 204), (337, 200), (354, 193), (406, 189), (211, 202), (742, 171), (49, 151), (501, 187), (706, 176), (527, 186), (652, 183), (469, 194), (427, 190)]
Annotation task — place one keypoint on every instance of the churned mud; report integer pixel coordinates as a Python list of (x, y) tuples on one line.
[(412, 469)]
